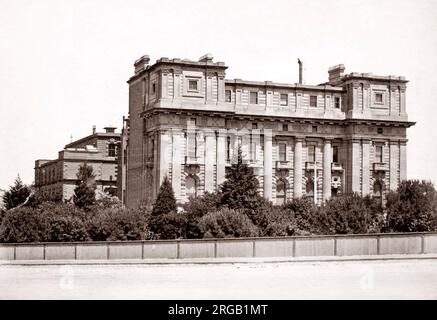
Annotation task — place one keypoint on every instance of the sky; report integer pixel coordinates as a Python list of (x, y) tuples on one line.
[(64, 63)]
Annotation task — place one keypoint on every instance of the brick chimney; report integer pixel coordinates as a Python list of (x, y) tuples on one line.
[(336, 72), (94, 129)]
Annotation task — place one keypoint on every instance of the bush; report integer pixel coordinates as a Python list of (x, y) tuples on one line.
[(349, 213), (412, 208), (304, 212), (227, 223), (168, 226), (165, 201), (280, 222), (196, 208), (112, 224), (47, 223), (84, 193)]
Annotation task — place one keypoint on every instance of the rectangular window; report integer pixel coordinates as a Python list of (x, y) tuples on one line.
[(284, 99), (378, 154), (378, 98), (380, 131), (334, 154), (111, 150), (314, 129), (228, 95), (193, 85), (285, 127), (153, 87), (337, 102), (282, 152), (313, 101), (254, 125), (311, 153), (253, 97)]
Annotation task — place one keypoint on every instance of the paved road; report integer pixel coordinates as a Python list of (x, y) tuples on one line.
[(401, 279)]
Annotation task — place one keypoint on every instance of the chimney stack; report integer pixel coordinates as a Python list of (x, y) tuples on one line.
[(300, 70), (141, 64), (94, 129), (336, 72), (110, 129)]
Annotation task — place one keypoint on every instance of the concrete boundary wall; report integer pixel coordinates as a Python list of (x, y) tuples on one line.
[(308, 246)]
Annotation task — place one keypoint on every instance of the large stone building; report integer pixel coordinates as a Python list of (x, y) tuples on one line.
[(186, 121), (57, 178)]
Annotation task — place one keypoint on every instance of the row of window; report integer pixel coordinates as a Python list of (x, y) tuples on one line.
[(253, 99)]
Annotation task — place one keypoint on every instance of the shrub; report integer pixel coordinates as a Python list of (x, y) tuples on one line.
[(304, 211), (227, 223), (168, 226), (349, 213), (111, 224), (412, 208), (196, 208), (280, 222), (22, 225)]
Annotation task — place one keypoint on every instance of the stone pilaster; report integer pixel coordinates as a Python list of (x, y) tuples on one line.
[(177, 160), (356, 165), (221, 156), (209, 159), (164, 146), (298, 167), (394, 145), (403, 159), (268, 164), (327, 160), (365, 183)]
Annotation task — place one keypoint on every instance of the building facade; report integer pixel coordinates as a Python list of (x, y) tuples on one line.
[(58, 178), (187, 122)]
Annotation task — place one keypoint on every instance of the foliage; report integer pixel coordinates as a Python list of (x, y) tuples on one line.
[(240, 189), (84, 193), (412, 208), (304, 212), (348, 213), (280, 222), (227, 223), (169, 225), (118, 224), (46, 223), (196, 208), (165, 201), (16, 195)]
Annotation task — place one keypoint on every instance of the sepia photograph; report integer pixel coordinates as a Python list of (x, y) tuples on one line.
[(193, 152)]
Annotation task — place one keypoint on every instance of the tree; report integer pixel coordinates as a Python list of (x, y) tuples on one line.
[(165, 222), (240, 189), (16, 195), (412, 208), (348, 213), (84, 193), (165, 201)]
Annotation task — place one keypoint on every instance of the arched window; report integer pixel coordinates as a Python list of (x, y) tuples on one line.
[(281, 192), (191, 186)]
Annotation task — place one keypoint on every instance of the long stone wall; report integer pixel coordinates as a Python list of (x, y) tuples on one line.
[(312, 246)]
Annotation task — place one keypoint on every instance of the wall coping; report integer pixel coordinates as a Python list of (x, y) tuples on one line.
[(336, 236)]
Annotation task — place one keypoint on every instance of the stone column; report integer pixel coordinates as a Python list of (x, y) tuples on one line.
[(297, 192), (221, 156), (365, 187), (327, 161), (176, 163), (394, 156), (210, 158), (403, 159), (356, 165), (268, 164)]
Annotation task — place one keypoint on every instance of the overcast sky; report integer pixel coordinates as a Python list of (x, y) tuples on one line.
[(64, 64)]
